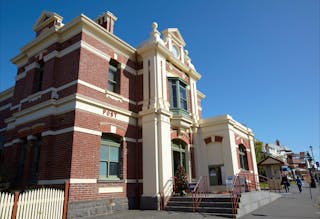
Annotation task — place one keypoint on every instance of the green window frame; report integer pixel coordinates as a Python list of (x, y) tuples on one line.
[(113, 76), (109, 157), (243, 157), (178, 96)]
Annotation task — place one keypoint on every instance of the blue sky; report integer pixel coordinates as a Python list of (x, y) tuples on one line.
[(259, 59)]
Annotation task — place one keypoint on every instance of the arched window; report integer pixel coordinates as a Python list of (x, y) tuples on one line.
[(243, 157), (110, 151)]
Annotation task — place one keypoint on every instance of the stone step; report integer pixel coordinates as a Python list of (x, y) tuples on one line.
[(204, 199), (202, 204), (200, 209)]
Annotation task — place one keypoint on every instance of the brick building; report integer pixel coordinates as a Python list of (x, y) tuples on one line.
[(113, 120)]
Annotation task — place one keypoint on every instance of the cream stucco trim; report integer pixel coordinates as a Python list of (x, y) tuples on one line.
[(14, 141), (71, 129), (57, 132), (5, 106), (113, 189), (6, 94), (20, 76), (96, 103), (91, 86), (95, 51), (128, 69), (61, 34), (87, 131), (80, 181)]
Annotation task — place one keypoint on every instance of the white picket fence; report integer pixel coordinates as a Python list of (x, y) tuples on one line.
[(6, 205), (34, 204)]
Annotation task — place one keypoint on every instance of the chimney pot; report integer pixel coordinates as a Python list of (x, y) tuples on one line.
[(107, 21)]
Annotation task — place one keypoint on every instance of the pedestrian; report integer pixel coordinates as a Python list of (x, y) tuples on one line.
[(299, 183), (285, 182)]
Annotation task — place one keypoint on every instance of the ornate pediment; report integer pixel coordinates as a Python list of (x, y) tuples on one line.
[(175, 35), (46, 20)]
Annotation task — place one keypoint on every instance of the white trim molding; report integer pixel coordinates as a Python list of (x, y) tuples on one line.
[(113, 189), (80, 181)]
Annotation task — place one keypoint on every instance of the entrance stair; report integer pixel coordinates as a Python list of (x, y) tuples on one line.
[(211, 205)]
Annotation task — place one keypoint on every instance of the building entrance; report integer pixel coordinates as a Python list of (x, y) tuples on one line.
[(178, 154)]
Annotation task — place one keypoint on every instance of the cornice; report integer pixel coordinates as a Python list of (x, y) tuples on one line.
[(6, 94), (225, 120), (60, 34), (159, 47)]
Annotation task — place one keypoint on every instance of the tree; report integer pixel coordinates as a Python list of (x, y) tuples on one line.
[(260, 155), (181, 182)]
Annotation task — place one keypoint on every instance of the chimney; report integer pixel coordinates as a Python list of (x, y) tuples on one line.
[(278, 142), (107, 20)]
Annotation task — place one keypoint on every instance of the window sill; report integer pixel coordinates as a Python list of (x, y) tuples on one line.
[(114, 96), (180, 112)]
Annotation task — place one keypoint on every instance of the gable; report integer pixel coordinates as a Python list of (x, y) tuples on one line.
[(270, 161), (175, 34), (46, 19)]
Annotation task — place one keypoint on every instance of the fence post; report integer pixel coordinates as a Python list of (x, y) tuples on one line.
[(15, 205), (66, 198)]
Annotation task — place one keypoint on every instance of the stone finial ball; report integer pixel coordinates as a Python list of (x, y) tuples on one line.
[(154, 26)]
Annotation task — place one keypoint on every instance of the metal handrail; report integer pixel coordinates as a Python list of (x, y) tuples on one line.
[(166, 193), (241, 182), (199, 191)]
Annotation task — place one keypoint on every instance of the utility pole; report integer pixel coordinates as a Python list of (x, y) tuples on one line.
[(311, 170)]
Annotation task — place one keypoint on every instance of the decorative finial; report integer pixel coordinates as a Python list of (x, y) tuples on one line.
[(154, 27)]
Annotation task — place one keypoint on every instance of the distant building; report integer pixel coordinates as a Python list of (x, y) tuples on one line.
[(277, 150), (113, 120)]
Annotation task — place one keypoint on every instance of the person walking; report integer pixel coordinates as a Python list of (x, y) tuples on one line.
[(285, 182), (299, 183)]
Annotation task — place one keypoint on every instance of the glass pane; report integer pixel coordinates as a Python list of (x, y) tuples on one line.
[(111, 86), (183, 93), (183, 104), (111, 75), (183, 157), (114, 154), (103, 169), (104, 153), (176, 160), (113, 171), (174, 95)]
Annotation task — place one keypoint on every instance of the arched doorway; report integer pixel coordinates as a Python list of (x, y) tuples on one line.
[(178, 154)]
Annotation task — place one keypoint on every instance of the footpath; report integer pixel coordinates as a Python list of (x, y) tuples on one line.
[(291, 205)]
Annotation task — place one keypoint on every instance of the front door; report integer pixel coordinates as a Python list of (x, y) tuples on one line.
[(178, 155), (215, 175)]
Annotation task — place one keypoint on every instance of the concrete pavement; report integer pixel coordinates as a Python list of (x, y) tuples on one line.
[(293, 205)]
